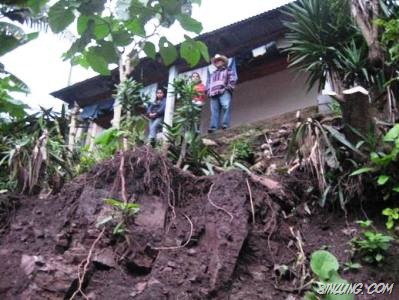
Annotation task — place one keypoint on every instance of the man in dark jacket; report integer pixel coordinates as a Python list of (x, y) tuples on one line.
[(220, 86), (155, 113)]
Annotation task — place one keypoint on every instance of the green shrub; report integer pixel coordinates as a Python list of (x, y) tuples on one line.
[(393, 216), (371, 245), (384, 164), (241, 150)]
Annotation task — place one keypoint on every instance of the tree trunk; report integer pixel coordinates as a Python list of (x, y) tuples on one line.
[(365, 13), (183, 152), (357, 114), (124, 71)]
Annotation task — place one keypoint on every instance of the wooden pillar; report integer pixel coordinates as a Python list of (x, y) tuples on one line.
[(72, 127), (93, 135), (170, 99)]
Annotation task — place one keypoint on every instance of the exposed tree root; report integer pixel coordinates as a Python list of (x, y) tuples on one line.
[(252, 202), (218, 207), (185, 244), (86, 262)]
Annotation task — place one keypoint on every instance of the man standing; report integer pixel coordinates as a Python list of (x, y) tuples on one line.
[(220, 86), (155, 113)]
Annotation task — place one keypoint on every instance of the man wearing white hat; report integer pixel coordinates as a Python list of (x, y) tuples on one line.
[(220, 86)]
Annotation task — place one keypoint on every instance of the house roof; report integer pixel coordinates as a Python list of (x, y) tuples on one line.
[(235, 39)]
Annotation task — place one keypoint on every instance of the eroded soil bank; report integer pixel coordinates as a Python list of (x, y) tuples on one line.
[(194, 237)]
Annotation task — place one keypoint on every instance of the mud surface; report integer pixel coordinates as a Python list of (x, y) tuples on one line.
[(194, 238)]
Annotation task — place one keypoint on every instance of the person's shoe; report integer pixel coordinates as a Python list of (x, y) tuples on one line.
[(152, 143), (224, 127), (211, 130)]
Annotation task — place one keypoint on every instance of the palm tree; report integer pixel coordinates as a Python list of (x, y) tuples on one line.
[(328, 42), (13, 36)]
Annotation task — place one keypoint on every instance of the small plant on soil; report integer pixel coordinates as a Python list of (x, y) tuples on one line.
[(371, 245), (352, 266), (325, 267), (383, 164), (393, 216), (242, 150), (125, 209)]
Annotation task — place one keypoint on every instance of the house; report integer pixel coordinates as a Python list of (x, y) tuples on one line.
[(265, 88)]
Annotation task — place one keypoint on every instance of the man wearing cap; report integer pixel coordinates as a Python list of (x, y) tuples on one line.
[(220, 86)]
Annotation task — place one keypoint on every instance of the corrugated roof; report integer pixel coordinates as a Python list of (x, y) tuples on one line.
[(230, 40)]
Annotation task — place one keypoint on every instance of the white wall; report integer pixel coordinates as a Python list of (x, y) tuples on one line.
[(267, 96)]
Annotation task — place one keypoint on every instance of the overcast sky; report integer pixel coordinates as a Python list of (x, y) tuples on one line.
[(39, 63)]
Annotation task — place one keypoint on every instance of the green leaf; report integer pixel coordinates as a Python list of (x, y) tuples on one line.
[(392, 134), (323, 264), (189, 23), (389, 224), (310, 296), (383, 179), (189, 53), (36, 5), (60, 16), (364, 224), (167, 50), (136, 27), (149, 50), (336, 279), (396, 189), (106, 137), (91, 6), (107, 51), (342, 139), (101, 28), (122, 38), (12, 37), (203, 48), (379, 257), (362, 171), (82, 24), (97, 63)]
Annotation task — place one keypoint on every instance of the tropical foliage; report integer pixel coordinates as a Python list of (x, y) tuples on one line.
[(329, 43), (108, 30), (33, 153), (186, 147)]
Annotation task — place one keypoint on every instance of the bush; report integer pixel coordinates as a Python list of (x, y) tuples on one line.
[(242, 150)]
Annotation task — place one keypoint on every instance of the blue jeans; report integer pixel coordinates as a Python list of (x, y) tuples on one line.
[(155, 126), (221, 107)]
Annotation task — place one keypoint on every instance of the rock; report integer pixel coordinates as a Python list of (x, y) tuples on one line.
[(28, 264), (172, 264), (138, 289), (105, 257), (258, 276), (4, 252), (209, 142), (191, 252), (167, 269), (39, 234), (259, 166), (62, 241), (16, 227), (271, 169)]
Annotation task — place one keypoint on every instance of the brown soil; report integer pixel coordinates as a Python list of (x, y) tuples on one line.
[(192, 239)]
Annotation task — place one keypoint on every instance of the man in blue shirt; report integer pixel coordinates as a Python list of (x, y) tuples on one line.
[(155, 113)]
